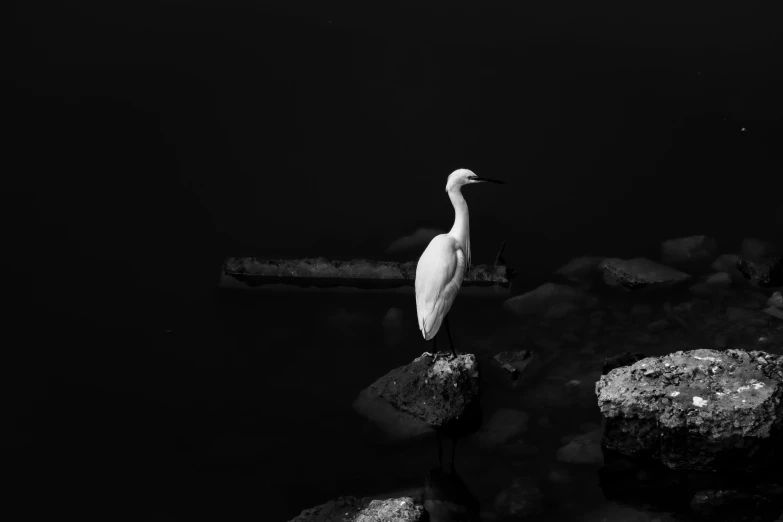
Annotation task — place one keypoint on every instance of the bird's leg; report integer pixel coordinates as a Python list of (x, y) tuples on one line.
[(448, 331)]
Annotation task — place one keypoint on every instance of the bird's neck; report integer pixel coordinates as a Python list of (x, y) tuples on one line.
[(461, 229)]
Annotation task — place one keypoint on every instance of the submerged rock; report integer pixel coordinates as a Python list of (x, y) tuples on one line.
[(438, 391), (580, 269), (690, 250), (545, 297), (352, 509), (518, 363), (699, 410), (639, 273)]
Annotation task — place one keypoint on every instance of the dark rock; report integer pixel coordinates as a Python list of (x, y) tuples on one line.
[(774, 312), (727, 504), (515, 362), (440, 391), (764, 273), (581, 269), (694, 253), (619, 360), (698, 410), (542, 299), (345, 509), (640, 273)]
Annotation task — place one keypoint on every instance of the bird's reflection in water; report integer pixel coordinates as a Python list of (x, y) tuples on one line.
[(446, 497)]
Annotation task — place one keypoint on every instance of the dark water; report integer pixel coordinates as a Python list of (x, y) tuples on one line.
[(243, 409)]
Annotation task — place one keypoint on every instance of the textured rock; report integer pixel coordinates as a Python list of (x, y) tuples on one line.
[(443, 393), (640, 272), (762, 272), (715, 503), (352, 509), (776, 300), (701, 410)]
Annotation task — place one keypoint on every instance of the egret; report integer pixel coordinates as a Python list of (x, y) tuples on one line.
[(445, 262)]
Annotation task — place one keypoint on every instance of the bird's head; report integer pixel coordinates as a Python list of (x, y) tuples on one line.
[(461, 177)]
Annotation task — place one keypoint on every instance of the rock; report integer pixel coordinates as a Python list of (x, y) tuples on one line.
[(718, 504), (504, 425), (583, 449), (725, 263), (441, 391), (688, 250), (755, 249), (543, 298), (619, 360), (396, 426), (521, 499), (700, 410), (764, 273), (776, 300), (774, 312), (364, 510), (517, 362), (580, 269), (719, 280), (639, 273)]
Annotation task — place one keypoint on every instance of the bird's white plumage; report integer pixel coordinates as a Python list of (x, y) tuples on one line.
[(439, 276), (445, 261)]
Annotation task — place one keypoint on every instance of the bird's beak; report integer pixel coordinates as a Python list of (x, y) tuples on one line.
[(478, 180)]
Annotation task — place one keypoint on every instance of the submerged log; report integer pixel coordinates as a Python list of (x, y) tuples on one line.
[(358, 273)]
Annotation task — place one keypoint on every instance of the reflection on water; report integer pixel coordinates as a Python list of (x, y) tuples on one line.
[(243, 410)]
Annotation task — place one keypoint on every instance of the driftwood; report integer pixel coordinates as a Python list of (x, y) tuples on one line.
[(358, 273)]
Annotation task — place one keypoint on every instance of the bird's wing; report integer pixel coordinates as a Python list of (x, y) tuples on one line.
[(439, 275)]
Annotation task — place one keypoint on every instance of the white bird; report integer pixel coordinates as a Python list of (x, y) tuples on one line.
[(445, 262)]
